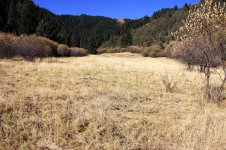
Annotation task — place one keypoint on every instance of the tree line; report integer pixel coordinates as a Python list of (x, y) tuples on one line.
[(90, 32), (24, 17)]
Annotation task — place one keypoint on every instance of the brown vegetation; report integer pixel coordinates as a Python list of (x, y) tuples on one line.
[(75, 52), (63, 50), (132, 49), (99, 102), (153, 51), (6, 48), (33, 46), (201, 42), (169, 48)]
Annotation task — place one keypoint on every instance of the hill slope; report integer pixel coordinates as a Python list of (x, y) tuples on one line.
[(90, 32), (24, 17)]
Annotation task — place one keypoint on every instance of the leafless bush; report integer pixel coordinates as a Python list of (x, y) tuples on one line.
[(33, 46), (63, 50), (169, 48), (153, 51), (102, 50), (6, 49), (169, 83), (201, 42), (216, 94), (76, 52), (42, 47), (132, 49), (28, 47)]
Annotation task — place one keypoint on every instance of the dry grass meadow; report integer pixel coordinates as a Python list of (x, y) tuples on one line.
[(111, 101)]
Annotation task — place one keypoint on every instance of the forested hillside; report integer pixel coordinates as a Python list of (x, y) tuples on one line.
[(90, 32), (24, 17)]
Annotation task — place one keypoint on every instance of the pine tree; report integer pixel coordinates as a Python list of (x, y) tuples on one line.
[(12, 17), (28, 18), (3, 13), (186, 7), (126, 39), (75, 40)]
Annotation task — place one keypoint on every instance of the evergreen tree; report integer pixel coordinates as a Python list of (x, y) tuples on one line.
[(126, 39), (28, 18), (75, 39), (12, 17), (3, 13), (24, 17), (186, 7)]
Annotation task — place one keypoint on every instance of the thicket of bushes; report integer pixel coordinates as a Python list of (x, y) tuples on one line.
[(33, 46), (151, 51), (6, 44), (75, 51), (132, 49), (63, 50), (158, 51)]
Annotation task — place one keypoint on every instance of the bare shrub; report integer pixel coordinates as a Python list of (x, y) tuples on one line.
[(76, 52), (131, 49), (201, 42), (117, 50), (6, 49), (40, 43), (153, 51), (134, 49), (102, 50), (34, 46), (28, 47), (63, 50), (216, 94), (169, 48), (169, 83)]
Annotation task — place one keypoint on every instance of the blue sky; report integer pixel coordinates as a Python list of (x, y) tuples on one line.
[(110, 8)]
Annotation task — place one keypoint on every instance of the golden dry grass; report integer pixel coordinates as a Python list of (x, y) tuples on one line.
[(103, 102)]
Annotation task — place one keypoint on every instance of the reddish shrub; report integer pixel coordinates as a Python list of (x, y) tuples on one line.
[(37, 46), (75, 51), (63, 50), (6, 48)]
